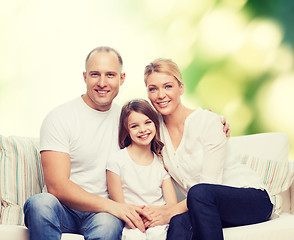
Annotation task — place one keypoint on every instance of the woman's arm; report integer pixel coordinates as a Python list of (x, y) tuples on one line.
[(215, 150), (169, 192), (114, 187)]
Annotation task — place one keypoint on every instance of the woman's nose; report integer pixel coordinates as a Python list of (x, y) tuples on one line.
[(161, 93)]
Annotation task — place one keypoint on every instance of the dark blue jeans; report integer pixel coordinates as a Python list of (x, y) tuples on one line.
[(46, 218), (213, 207)]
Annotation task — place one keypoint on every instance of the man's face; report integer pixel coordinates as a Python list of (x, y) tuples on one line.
[(103, 78)]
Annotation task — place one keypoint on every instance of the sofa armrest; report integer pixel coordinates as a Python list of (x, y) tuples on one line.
[(292, 198)]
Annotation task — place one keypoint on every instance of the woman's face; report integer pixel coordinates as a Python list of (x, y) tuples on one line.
[(164, 92)]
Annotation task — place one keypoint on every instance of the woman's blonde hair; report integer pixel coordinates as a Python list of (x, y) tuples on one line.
[(163, 65)]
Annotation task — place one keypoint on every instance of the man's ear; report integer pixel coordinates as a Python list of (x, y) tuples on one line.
[(85, 76), (122, 78)]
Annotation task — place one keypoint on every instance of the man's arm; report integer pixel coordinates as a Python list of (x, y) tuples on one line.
[(56, 168)]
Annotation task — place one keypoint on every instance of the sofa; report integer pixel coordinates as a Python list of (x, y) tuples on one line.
[(267, 154)]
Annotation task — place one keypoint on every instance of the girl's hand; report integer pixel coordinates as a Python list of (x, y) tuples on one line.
[(132, 215), (160, 215)]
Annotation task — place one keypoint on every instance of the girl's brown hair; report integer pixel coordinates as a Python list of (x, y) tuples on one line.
[(140, 106)]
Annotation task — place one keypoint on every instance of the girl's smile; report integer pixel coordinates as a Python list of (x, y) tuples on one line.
[(141, 129)]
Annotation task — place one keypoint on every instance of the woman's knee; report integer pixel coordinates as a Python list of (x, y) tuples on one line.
[(200, 193)]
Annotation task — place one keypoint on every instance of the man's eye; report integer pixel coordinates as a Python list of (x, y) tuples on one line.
[(110, 75), (94, 74)]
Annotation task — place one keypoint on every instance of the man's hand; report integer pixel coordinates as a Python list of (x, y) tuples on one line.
[(226, 128), (130, 214)]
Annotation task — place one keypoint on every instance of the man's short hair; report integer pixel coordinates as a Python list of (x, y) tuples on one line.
[(105, 49)]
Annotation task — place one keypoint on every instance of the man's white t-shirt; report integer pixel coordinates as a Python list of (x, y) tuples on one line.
[(142, 185), (88, 136)]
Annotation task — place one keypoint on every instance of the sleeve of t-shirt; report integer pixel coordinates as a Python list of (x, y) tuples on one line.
[(54, 133), (164, 173), (113, 163)]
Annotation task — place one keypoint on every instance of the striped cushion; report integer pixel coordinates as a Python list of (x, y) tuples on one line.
[(277, 176), (21, 174), (12, 214)]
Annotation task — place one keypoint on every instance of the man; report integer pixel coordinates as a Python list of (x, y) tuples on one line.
[(76, 139)]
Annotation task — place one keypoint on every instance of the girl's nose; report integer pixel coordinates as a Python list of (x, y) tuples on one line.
[(142, 128)]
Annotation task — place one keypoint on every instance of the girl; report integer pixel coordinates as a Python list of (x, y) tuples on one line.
[(136, 174), (220, 191)]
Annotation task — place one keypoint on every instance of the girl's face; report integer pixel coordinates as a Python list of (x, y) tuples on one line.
[(164, 92), (141, 129)]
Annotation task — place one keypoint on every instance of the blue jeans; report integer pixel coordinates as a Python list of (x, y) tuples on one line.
[(46, 218), (213, 207)]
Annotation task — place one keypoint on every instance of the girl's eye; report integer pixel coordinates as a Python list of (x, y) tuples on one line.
[(133, 126), (148, 122), (168, 86), (152, 89)]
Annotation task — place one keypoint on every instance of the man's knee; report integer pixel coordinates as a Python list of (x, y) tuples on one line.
[(39, 206), (106, 226)]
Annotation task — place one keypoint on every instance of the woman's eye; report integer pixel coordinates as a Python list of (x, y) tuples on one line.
[(148, 122), (152, 89), (168, 86)]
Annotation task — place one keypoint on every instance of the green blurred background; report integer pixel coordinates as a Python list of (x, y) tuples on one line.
[(236, 56)]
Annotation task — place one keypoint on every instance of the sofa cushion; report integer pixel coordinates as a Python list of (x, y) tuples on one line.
[(21, 174), (12, 214), (279, 228), (277, 176)]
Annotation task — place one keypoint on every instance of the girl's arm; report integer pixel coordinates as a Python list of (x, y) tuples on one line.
[(162, 214), (114, 187)]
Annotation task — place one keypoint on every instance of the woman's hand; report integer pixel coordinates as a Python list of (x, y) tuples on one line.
[(160, 215)]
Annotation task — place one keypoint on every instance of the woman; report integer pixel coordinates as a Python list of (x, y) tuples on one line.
[(220, 191)]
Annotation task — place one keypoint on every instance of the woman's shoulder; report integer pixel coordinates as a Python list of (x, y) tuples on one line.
[(201, 115)]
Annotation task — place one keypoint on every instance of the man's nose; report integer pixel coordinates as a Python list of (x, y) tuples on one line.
[(102, 81)]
